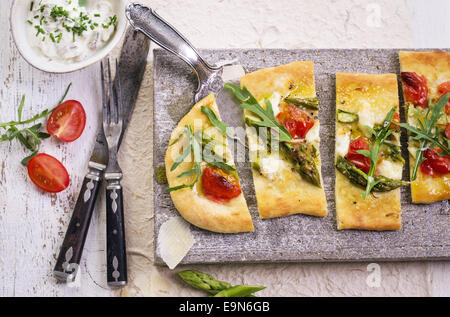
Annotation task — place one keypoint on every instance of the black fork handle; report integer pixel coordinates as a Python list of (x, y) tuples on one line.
[(116, 259)]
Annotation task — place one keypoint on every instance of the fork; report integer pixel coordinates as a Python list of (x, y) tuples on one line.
[(116, 260)]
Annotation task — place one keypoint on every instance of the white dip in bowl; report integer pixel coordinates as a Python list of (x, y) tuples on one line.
[(61, 36)]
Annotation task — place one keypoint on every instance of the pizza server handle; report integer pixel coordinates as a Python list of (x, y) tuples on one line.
[(144, 19)]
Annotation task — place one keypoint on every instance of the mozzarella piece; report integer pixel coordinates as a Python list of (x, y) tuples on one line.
[(275, 100), (390, 169), (342, 143), (272, 166), (269, 166), (368, 116), (174, 241), (313, 135), (413, 151)]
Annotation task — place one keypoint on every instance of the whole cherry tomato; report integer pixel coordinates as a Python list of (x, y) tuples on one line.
[(219, 186), (47, 173), (435, 165), (360, 161), (296, 121), (67, 121), (415, 89)]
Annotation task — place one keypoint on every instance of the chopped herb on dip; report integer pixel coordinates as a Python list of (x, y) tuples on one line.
[(70, 30)]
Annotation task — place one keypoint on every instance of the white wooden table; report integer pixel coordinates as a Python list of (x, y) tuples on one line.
[(33, 223)]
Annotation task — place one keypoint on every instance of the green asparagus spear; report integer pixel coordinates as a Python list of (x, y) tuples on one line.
[(308, 103), (346, 117), (203, 281), (302, 155), (392, 151), (239, 291), (349, 170)]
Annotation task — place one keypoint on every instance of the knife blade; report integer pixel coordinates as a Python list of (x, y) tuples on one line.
[(132, 63), (211, 78)]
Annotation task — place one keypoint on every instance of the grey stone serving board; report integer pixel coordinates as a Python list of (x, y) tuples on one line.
[(298, 238)]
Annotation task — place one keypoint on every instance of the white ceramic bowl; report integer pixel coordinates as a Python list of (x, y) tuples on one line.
[(18, 24)]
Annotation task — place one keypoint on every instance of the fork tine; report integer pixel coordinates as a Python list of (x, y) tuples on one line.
[(112, 101), (118, 94), (105, 109)]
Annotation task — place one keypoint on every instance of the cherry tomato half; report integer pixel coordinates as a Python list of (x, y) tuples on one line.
[(360, 161), (67, 121), (447, 131), (443, 89), (219, 186), (296, 121), (415, 89), (48, 173), (395, 118), (435, 165)]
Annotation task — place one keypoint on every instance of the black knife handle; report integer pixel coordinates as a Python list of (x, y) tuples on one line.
[(69, 258), (116, 259)]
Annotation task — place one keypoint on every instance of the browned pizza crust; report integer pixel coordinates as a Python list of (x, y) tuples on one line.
[(435, 66), (287, 193), (230, 217), (379, 211)]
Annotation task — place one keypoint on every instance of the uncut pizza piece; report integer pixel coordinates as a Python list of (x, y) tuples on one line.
[(205, 191), (280, 188), (364, 100), (434, 67)]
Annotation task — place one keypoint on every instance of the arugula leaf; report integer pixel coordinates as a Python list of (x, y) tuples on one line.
[(176, 140), (424, 133), (19, 111), (213, 118), (374, 151), (192, 147), (267, 116), (29, 137), (28, 158), (195, 148), (187, 173), (64, 96), (172, 189), (217, 162), (181, 157)]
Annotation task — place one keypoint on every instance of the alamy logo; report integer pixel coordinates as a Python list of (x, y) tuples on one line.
[(374, 15), (374, 277)]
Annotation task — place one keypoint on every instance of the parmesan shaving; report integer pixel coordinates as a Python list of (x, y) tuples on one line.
[(174, 241), (232, 73)]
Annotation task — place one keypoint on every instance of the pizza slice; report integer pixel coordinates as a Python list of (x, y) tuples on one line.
[(368, 193), (281, 117), (202, 177), (425, 80)]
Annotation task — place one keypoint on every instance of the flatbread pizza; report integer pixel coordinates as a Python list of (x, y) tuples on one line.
[(203, 182), (281, 117), (425, 80), (367, 194)]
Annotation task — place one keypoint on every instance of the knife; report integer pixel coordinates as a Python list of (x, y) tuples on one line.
[(210, 77), (132, 63)]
